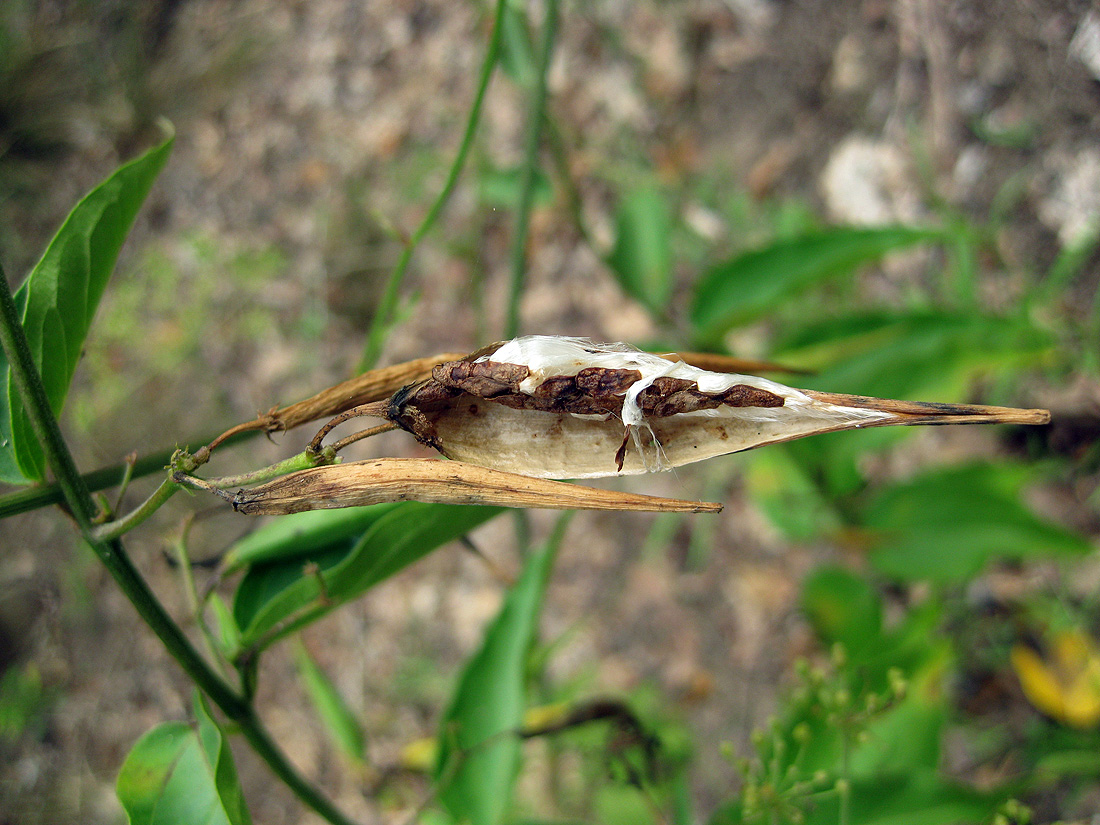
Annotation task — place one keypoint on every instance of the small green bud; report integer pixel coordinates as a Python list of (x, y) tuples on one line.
[(839, 655), (801, 733)]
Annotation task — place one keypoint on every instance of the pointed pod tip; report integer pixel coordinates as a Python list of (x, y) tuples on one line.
[(924, 412)]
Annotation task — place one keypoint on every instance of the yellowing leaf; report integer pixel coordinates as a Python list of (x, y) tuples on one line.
[(1066, 684)]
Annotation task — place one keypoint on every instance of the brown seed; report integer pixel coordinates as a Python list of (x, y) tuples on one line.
[(600, 382), (485, 379), (742, 395)]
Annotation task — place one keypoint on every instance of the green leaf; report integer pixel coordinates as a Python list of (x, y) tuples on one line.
[(782, 488), (217, 751), (517, 54), (920, 355), (179, 774), (228, 634), (339, 721), (945, 526), (273, 592), (904, 738), (59, 298), (758, 281), (642, 257), (501, 187), (843, 608), (623, 805), (918, 797), (479, 729), (303, 534)]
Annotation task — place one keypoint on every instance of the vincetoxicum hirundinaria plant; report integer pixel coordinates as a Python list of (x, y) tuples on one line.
[(542, 407), (513, 417)]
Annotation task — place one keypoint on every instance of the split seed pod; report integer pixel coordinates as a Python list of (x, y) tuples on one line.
[(556, 407), (448, 482)]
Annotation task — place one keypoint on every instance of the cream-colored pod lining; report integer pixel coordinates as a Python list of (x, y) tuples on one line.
[(560, 445)]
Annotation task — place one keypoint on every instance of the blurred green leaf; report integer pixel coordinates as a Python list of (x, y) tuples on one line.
[(228, 634), (517, 55), (274, 592), (501, 187), (59, 298), (946, 525), (758, 281), (919, 356), (180, 774), (479, 729), (24, 701), (339, 722), (904, 738), (1070, 262), (782, 488), (642, 256), (623, 805), (843, 608), (303, 534), (924, 355), (917, 797)]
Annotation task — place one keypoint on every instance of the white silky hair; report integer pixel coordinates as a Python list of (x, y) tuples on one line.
[(546, 356)]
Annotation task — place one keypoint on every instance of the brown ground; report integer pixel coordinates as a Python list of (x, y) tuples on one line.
[(302, 127)]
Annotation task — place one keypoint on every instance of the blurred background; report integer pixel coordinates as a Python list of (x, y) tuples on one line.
[(680, 139)]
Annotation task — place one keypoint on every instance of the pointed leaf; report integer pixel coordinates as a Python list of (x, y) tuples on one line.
[(179, 774), (757, 281), (59, 299), (517, 54), (302, 534), (911, 354), (273, 592), (946, 525), (480, 728), (642, 257), (216, 748), (337, 718)]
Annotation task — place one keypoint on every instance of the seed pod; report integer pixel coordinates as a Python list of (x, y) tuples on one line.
[(448, 482), (555, 407)]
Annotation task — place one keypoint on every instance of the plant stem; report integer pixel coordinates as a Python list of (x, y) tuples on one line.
[(530, 167), (119, 527), (376, 336), (111, 553), (301, 461), (44, 495), (194, 600)]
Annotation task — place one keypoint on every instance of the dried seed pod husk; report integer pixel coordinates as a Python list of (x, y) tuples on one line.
[(447, 482), (571, 408), (373, 385)]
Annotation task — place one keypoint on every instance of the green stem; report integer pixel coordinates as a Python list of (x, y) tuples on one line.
[(194, 600), (530, 167), (113, 555), (119, 527), (302, 461), (388, 304), (45, 495)]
